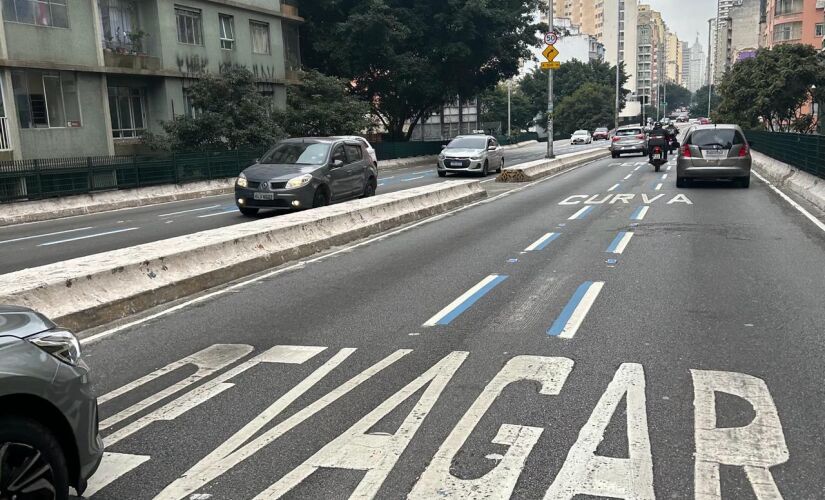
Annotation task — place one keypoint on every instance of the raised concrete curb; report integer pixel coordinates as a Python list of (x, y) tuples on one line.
[(526, 172), (415, 161), (97, 289), (803, 184), (519, 144), (104, 201)]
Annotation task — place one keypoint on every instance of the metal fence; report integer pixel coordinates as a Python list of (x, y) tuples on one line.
[(44, 178), (392, 150), (803, 151)]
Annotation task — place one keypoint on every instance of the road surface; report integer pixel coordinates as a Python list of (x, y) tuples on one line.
[(31, 245), (600, 333)]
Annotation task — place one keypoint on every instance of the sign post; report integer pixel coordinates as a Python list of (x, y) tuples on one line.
[(550, 53)]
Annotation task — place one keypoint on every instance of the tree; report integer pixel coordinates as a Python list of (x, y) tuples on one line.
[(231, 113), (568, 79), (494, 108), (323, 105), (773, 88), (677, 96), (589, 107), (407, 59), (700, 101)]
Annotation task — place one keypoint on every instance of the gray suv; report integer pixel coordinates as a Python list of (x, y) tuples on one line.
[(48, 414), (306, 173)]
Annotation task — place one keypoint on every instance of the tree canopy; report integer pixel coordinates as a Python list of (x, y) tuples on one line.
[(407, 59), (230, 113), (494, 108), (700, 101), (772, 89), (322, 105), (588, 107), (677, 96)]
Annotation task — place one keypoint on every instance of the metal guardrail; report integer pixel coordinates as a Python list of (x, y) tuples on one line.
[(45, 178), (803, 151), (393, 150)]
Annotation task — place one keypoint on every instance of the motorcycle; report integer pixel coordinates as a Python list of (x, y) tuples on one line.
[(658, 158)]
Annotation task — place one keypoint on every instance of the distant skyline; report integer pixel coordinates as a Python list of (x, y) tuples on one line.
[(686, 21)]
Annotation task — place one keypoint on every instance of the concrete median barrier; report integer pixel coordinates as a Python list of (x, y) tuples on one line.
[(97, 289), (803, 184), (532, 170)]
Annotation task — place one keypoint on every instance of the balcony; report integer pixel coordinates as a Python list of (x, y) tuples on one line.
[(290, 8), (127, 51)]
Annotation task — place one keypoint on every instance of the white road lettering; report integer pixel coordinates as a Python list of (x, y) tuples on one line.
[(648, 201), (586, 473), (573, 200), (111, 468), (438, 482), (755, 447), (624, 198), (239, 447), (680, 198), (356, 449), (593, 201)]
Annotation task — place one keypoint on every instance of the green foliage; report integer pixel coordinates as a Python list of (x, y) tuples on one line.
[(677, 96), (322, 105), (589, 107), (231, 114), (568, 79), (772, 88), (494, 108), (407, 58), (700, 102)]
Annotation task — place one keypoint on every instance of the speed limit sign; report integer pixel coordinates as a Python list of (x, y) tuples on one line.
[(551, 38)]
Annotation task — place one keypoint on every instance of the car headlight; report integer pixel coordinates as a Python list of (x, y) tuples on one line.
[(441, 156), (242, 182), (300, 181), (62, 344)]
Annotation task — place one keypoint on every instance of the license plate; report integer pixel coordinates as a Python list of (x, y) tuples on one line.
[(263, 196), (657, 156), (456, 163), (715, 153)]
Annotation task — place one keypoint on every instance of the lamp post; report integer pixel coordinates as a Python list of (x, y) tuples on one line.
[(619, 5), (550, 153)]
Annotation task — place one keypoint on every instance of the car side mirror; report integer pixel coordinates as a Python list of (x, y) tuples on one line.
[(336, 164)]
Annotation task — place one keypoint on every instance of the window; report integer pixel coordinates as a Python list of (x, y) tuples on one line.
[(820, 29), (353, 153), (787, 31), (338, 154), (40, 12), (190, 28), (127, 107), (227, 28), (292, 52), (260, 37), (118, 19), (788, 7), (189, 109), (46, 99)]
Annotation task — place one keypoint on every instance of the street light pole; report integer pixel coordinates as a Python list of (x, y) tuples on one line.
[(618, 60), (550, 153), (711, 77), (509, 90)]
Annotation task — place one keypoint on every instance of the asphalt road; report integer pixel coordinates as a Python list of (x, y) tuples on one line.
[(599, 334), (30, 245)]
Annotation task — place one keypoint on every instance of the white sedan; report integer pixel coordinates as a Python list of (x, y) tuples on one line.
[(581, 137)]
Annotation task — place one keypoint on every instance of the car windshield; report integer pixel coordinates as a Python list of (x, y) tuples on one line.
[(628, 132), (719, 137), (297, 153), (580, 132), (468, 143)]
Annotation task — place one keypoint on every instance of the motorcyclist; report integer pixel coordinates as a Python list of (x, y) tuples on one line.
[(658, 137), (672, 134)]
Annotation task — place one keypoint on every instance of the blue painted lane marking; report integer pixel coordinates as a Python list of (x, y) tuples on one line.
[(465, 301), (620, 242), (573, 314), (640, 213), (581, 214), (542, 242)]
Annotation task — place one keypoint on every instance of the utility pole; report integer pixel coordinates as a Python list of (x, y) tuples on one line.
[(509, 89), (619, 5), (550, 153), (710, 76)]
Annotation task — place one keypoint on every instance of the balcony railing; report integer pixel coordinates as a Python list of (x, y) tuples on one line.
[(289, 8), (5, 137)]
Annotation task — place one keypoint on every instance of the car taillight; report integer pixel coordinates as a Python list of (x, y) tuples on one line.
[(686, 151), (640, 136), (615, 138), (743, 151)]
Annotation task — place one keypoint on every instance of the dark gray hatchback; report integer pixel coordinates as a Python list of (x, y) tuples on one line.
[(48, 413), (306, 173)]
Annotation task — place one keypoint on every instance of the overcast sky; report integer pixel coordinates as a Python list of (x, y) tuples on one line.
[(686, 17)]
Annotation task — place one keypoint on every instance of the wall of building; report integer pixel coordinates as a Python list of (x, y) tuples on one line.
[(808, 18), (609, 31), (745, 27)]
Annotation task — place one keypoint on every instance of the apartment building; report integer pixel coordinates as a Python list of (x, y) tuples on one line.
[(651, 54), (697, 69), (90, 77), (745, 18), (616, 27), (673, 70), (684, 80), (794, 21)]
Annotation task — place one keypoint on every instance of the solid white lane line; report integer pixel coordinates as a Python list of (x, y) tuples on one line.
[(191, 210), (628, 176), (233, 211), (640, 213), (614, 187), (576, 310), (637, 168), (581, 214), (301, 264), (542, 242), (620, 243), (412, 178), (464, 301), (46, 234), (87, 236), (790, 200), (658, 187)]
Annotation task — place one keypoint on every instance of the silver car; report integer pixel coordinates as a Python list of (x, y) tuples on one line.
[(628, 139), (48, 413), (714, 152), (581, 137), (478, 154)]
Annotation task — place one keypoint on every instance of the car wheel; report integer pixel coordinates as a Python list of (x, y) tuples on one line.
[(249, 212), (320, 199), (681, 182), (442, 173), (501, 166), (369, 189), (484, 170), (745, 182), (31, 460), (613, 155)]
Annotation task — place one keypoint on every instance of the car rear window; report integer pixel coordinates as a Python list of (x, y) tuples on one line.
[(628, 132), (719, 137), (601, 130)]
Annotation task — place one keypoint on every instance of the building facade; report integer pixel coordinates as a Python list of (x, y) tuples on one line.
[(698, 65), (674, 58), (616, 27), (745, 18), (90, 77), (652, 56), (685, 78), (794, 21)]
